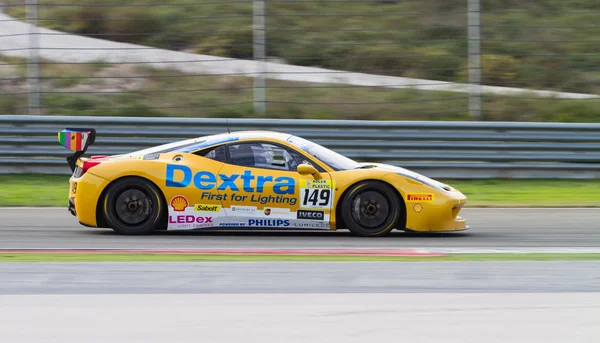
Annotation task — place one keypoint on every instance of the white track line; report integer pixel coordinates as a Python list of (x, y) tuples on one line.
[(465, 250)]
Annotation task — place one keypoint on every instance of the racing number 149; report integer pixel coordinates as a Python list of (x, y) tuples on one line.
[(316, 198)]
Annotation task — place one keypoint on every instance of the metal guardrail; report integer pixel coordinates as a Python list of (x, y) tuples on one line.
[(462, 150)]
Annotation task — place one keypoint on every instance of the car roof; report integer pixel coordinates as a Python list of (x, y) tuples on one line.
[(226, 137), (210, 140), (239, 135)]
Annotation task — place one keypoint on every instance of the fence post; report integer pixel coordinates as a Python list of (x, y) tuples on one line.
[(474, 32), (33, 66), (259, 50)]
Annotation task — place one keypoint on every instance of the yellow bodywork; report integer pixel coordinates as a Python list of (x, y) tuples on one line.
[(276, 202)]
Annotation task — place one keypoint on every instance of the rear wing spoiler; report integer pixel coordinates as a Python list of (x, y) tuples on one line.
[(77, 140)]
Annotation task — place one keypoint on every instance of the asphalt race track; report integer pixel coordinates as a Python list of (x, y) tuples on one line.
[(281, 277), (34, 228), (428, 302), (314, 318)]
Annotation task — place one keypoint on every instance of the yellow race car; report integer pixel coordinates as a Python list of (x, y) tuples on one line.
[(251, 179)]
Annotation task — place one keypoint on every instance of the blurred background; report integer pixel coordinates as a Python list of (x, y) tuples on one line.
[(454, 89), (417, 59)]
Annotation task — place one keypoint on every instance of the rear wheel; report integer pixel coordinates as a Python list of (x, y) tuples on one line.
[(134, 206), (371, 208)]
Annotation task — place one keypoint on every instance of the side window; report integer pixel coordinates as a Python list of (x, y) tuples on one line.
[(264, 155), (217, 154)]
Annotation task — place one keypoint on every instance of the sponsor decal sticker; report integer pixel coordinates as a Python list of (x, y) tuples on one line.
[(316, 194), (423, 197), (179, 203), (154, 156), (276, 210), (205, 181), (222, 187), (232, 224), (183, 215), (189, 219), (183, 221), (318, 184), (246, 209), (314, 215), (268, 222), (313, 225), (207, 208)]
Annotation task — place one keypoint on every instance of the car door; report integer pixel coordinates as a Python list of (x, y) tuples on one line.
[(192, 202), (261, 187)]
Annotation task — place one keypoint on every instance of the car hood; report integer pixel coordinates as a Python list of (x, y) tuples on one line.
[(408, 173)]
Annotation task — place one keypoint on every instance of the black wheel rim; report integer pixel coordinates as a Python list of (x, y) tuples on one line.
[(133, 207), (370, 210)]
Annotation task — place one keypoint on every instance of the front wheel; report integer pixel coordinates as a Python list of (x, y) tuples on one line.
[(134, 206), (371, 208)]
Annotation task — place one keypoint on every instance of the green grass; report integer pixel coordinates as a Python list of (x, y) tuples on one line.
[(530, 193), (34, 190), (52, 190), (91, 90), (53, 257), (433, 31)]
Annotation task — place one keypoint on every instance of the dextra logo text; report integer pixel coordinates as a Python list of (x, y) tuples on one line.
[(205, 180)]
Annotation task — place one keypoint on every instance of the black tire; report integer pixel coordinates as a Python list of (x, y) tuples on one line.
[(371, 209), (134, 206)]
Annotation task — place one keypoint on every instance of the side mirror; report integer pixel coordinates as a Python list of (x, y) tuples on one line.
[(307, 169)]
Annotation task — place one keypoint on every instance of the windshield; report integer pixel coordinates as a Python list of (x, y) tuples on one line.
[(329, 157)]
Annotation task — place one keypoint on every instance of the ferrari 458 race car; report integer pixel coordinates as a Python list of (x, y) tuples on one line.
[(251, 180)]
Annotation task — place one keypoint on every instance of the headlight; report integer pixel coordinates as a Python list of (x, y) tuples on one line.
[(429, 182)]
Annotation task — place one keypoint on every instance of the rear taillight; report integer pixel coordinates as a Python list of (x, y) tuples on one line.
[(87, 165)]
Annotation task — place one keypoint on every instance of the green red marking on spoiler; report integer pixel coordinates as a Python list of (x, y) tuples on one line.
[(77, 140)]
